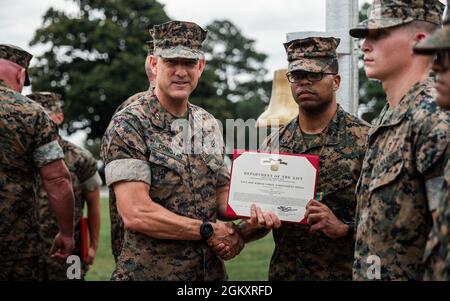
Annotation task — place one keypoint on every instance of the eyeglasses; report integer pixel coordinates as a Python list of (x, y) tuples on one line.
[(295, 77), (442, 59)]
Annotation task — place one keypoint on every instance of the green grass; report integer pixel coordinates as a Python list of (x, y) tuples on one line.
[(251, 264)]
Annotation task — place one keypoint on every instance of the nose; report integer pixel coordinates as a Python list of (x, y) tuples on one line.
[(180, 70), (366, 46), (304, 82)]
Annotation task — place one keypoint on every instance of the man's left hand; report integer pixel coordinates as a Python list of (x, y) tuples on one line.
[(321, 218)]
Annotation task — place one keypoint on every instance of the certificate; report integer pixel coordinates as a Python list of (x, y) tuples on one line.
[(276, 182)]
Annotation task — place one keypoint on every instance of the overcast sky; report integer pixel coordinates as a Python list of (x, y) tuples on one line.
[(266, 21)]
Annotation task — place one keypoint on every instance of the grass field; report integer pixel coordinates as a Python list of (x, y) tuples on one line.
[(251, 264)]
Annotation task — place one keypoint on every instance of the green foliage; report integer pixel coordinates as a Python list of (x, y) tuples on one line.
[(95, 60), (371, 94)]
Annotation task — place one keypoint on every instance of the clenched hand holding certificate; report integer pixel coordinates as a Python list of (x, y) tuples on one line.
[(278, 183)]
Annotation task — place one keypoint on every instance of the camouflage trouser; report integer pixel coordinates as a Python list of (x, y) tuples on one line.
[(54, 270), (436, 269), (20, 270)]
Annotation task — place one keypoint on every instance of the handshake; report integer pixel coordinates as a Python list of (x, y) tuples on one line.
[(229, 239)]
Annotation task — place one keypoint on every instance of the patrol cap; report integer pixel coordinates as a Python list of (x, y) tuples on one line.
[(150, 43), (16, 55), (439, 40), (179, 39), (390, 13), (313, 54), (49, 100)]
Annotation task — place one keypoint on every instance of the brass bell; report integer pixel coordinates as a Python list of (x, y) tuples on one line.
[(282, 106)]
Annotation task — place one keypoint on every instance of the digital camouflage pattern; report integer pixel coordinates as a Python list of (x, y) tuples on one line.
[(314, 54), (25, 269), (144, 143), (299, 255), (437, 257), (16, 55), (177, 39), (84, 176), (404, 155), (390, 13), (440, 39), (117, 228), (49, 100), (28, 140)]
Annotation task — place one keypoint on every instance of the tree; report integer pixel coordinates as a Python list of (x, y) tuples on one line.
[(95, 58), (233, 84), (371, 94)]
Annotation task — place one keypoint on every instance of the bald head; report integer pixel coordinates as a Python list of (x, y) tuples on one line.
[(12, 74)]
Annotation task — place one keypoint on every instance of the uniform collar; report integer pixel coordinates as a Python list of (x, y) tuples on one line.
[(292, 136), (160, 117), (402, 109)]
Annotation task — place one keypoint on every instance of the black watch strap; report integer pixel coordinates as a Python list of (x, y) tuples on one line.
[(206, 230)]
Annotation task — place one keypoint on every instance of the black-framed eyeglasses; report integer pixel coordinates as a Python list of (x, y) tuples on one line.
[(297, 76)]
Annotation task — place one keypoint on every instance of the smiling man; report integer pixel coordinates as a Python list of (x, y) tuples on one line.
[(322, 249), (399, 185), (170, 187)]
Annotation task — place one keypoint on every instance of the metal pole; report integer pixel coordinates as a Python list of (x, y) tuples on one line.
[(340, 17)]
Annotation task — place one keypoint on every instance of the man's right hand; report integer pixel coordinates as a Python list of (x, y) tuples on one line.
[(62, 247), (226, 240)]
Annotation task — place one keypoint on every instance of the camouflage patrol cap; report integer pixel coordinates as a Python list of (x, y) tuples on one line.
[(439, 40), (390, 13), (178, 39), (313, 54), (16, 55), (49, 100), (150, 43)]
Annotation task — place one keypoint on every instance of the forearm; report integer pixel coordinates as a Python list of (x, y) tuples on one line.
[(139, 213), (93, 212), (156, 221), (250, 233), (60, 195), (222, 201)]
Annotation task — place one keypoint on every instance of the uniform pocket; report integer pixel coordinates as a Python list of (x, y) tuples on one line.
[(386, 172)]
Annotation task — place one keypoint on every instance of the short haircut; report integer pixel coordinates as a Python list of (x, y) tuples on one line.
[(421, 26)]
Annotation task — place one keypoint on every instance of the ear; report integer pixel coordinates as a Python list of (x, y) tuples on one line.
[(20, 77), (201, 65), (336, 82), (58, 118), (152, 63), (419, 36)]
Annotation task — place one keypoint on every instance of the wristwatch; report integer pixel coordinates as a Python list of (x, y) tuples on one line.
[(206, 230)]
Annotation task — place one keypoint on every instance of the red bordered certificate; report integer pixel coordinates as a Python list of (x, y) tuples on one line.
[(281, 183)]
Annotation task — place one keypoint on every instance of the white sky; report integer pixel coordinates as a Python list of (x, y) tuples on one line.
[(266, 21)]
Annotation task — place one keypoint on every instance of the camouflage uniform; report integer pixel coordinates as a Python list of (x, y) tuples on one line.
[(28, 140), (398, 187), (299, 255), (141, 144), (437, 257), (84, 176), (117, 229)]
